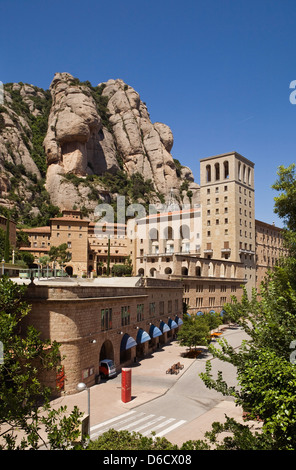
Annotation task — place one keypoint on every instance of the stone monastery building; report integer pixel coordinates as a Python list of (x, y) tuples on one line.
[(201, 255), (215, 247)]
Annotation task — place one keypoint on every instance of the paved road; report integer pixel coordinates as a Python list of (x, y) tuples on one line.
[(186, 400)]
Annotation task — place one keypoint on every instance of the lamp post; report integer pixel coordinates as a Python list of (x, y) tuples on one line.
[(3, 266), (80, 388)]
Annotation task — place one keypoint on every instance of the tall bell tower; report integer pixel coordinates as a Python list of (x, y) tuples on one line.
[(228, 212)]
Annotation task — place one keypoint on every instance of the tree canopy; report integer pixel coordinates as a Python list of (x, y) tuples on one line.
[(24, 401), (265, 369), (59, 253)]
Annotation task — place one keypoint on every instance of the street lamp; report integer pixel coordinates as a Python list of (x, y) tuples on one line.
[(80, 388)]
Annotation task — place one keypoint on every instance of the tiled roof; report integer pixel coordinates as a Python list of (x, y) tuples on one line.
[(37, 230)]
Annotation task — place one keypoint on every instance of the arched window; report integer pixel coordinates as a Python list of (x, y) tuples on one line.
[(208, 173), (153, 234), (239, 171), (168, 233), (198, 269), (249, 176), (226, 169), (152, 272), (217, 171), (184, 232), (244, 173), (211, 270), (233, 271)]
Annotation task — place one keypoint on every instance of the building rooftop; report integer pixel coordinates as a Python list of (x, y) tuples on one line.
[(98, 282), (238, 155), (70, 219), (37, 230)]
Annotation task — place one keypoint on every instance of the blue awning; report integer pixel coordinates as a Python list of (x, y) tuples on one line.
[(164, 327), (154, 331), (222, 313), (172, 324), (199, 313), (178, 321), (142, 336), (212, 311), (127, 342)]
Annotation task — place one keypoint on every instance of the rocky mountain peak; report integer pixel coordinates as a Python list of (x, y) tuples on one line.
[(91, 134)]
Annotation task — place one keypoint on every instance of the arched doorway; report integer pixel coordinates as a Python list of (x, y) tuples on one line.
[(152, 272), (69, 270), (184, 271), (99, 270), (126, 346), (107, 351)]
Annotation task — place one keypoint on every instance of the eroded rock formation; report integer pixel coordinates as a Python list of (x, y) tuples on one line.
[(77, 142), (73, 135)]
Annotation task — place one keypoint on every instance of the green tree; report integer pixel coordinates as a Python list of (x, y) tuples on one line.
[(22, 239), (265, 364), (265, 369), (124, 440), (2, 243), (59, 254), (266, 375), (122, 269), (24, 402), (194, 332), (28, 258), (213, 319), (285, 207), (285, 203)]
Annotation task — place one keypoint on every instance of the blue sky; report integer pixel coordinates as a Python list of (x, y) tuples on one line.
[(216, 71)]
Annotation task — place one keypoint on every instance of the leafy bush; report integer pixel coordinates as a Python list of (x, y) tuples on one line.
[(120, 270), (124, 440)]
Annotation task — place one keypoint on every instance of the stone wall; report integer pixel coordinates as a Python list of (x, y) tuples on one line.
[(71, 315)]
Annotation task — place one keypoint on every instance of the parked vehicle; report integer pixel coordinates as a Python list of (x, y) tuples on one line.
[(107, 369)]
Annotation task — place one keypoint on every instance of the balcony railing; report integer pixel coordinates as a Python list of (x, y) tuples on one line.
[(179, 253), (243, 251)]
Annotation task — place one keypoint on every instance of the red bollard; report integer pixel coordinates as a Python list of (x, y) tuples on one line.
[(126, 385)]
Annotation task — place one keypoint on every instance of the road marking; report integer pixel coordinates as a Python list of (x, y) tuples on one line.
[(136, 422), (171, 428), (105, 423), (150, 423), (161, 425)]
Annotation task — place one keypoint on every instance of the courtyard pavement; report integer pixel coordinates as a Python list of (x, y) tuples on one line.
[(149, 381)]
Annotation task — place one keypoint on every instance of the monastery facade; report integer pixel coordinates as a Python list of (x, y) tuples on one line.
[(215, 247)]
